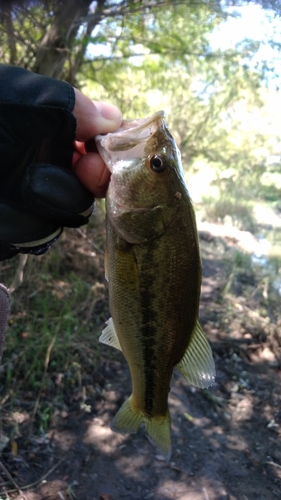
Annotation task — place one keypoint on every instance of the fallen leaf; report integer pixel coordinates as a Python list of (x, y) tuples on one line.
[(14, 448)]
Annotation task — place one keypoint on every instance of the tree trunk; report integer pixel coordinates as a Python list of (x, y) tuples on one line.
[(55, 46)]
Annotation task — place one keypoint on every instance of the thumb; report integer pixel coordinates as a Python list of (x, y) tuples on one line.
[(94, 117)]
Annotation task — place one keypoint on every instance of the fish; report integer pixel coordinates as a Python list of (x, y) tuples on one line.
[(153, 268)]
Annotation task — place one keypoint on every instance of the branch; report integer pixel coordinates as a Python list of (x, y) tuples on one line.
[(18, 278), (11, 36), (11, 479), (125, 8), (168, 51), (31, 485)]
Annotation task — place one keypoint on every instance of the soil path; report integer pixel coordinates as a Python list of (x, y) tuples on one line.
[(226, 441)]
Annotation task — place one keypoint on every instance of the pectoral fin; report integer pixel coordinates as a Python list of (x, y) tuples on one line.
[(109, 335), (197, 365)]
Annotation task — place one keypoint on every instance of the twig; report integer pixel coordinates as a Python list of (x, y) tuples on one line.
[(18, 278), (5, 308), (206, 496), (31, 485), (47, 360), (81, 233), (273, 463), (97, 248), (11, 479), (5, 398)]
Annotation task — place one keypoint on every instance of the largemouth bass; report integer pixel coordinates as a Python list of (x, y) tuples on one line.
[(153, 269)]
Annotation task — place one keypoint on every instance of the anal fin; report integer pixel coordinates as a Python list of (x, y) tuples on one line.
[(109, 335)]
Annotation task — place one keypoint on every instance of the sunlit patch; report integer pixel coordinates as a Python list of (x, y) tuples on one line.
[(100, 435), (243, 410), (268, 355), (132, 467), (20, 416), (169, 489), (244, 239), (57, 488), (65, 440)]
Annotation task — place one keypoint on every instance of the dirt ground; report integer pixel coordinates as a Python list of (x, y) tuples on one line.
[(226, 440)]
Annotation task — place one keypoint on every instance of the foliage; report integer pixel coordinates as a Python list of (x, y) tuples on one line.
[(51, 37), (146, 55), (215, 100), (228, 209)]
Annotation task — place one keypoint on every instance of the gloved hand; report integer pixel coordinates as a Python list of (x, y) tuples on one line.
[(39, 193)]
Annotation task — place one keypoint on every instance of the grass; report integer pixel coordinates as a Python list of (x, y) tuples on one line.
[(58, 311), (50, 314)]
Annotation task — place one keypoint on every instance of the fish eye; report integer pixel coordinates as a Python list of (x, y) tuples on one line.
[(157, 164)]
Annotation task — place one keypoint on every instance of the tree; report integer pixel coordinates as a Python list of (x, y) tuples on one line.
[(51, 37), (146, 54)]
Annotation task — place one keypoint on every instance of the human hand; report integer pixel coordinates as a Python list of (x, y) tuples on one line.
[(93, 118), (39, 191)]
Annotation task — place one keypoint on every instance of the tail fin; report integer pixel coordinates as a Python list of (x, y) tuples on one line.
[(129, 419), (158, 431)]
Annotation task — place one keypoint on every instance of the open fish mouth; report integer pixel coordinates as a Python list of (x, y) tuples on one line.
[(138, 126), (129, 140)]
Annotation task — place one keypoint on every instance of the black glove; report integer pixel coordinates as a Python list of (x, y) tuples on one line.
[(39, 194)]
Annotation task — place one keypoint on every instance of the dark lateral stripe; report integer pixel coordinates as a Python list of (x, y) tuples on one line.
[(148, 338), (148, 333)]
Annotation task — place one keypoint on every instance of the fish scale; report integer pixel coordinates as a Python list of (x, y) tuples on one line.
[(154, 273)]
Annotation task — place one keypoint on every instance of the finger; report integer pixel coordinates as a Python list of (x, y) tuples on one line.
[(79, 150), (93, 173), (80, 146), (75, 157), (94, 117)]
